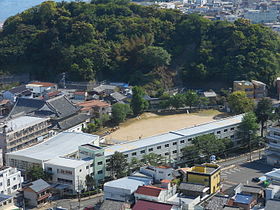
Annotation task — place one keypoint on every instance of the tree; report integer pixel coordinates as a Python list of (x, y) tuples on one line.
[(154, 57), (120, 112), (118, 165), (176, 101), (248, 128), (154, 159), (264, 112), (36, 172), (191, 155), (90, 182), (135, 164), (240, 103), (191, 98), (138, 103)]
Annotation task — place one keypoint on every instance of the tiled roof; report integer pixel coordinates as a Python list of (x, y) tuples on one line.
[(72, 121), (26, 106), (192, 187), (149, 190), (80, 93), (43, 84), (117, 96), (39, 185), (18, 89), (93, 103), (165, 181), (149, 205)]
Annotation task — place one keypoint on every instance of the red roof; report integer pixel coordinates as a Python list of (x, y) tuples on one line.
[(163, 167), (149, 205), (92, 103), (165, 181), (80, 93), (44, 84), (149, 190), (4, 102)]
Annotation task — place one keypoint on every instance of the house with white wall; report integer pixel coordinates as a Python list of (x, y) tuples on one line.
[(10, 180)]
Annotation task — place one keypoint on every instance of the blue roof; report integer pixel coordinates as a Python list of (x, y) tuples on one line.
[(129, 183), (4, 197), (244, 199)]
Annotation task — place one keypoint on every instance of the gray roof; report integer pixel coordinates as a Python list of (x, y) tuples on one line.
[(275, 174), (272, 205), (39, 185), (216, 202), (18, 89), (72, 121), (68, 162), (60, 145), (59, 107), (209, 94), (102, 88), (118, 96), (192, 187), (174, 135), (114, 205), (251, 189)]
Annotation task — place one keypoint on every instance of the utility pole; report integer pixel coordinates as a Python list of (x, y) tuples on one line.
[(79, 195), (250, 146)]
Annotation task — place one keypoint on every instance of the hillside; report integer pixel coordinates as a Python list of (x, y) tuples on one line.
[(123, 41)]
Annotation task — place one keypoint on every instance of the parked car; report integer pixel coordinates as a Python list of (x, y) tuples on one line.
[(255, 179)]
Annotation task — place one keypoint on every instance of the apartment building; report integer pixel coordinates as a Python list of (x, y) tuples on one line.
[(273, 150), (22, 132), (171, 144), (70, 172), (260, 89), (10, 180)]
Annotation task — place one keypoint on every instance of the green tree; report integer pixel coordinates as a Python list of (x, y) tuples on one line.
[(176, 101), (154, 159), (191, 99), (240, 103), (135, 164), (118, 165), (154, 57), (191, 155), (89, 182), (138, 103), (37, 172), (120, 112), (248, 128), (264, 112)]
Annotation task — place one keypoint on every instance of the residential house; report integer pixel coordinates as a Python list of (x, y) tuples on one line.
[(158, 173), (260, 89), (243, 201), (5, 107), (80, 95), (36, 193), (217, 202), (156, 193), (39, 88), (148, 205), (182, 201), (116, 97), (195, 190), (104, 90), (207, 174), (70, 172), (256, 191), (245, 86), (7, 202), (10, 180), (273, 151), (95, 108), (17, 92), (22, 132), (123, 189)]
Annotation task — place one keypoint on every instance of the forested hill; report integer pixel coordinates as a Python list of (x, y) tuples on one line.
[(127, 42)]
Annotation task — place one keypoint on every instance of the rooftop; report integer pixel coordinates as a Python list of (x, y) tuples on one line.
[(151, 205), (193, 187), (67, 162), (149, 190), (275, 174), (4, 197), (174, 135), (60, 145), (91, 147), (244, 199), (92, 103), (130, 183), (22, 122), (39, 185), (216, 202), (42, 84)]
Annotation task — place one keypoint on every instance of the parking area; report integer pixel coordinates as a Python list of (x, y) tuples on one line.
[(244, 173)]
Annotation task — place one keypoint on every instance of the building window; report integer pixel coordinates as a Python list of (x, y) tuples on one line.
[(167, 145), (232, 129), (151, 149), (225, 130), (87, 167), (80, 170), (158, 147), (232, 136), (99, 163), (91, 165), (167, 153), (49, 169), (134, 154), (175, 143), (126, 155), (143, 151), (189, 139), (100, 172), (108, 160), (182, 141), (174, 152), (218, 132)]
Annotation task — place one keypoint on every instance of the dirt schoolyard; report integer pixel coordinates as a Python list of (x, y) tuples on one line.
[(150, 124)]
